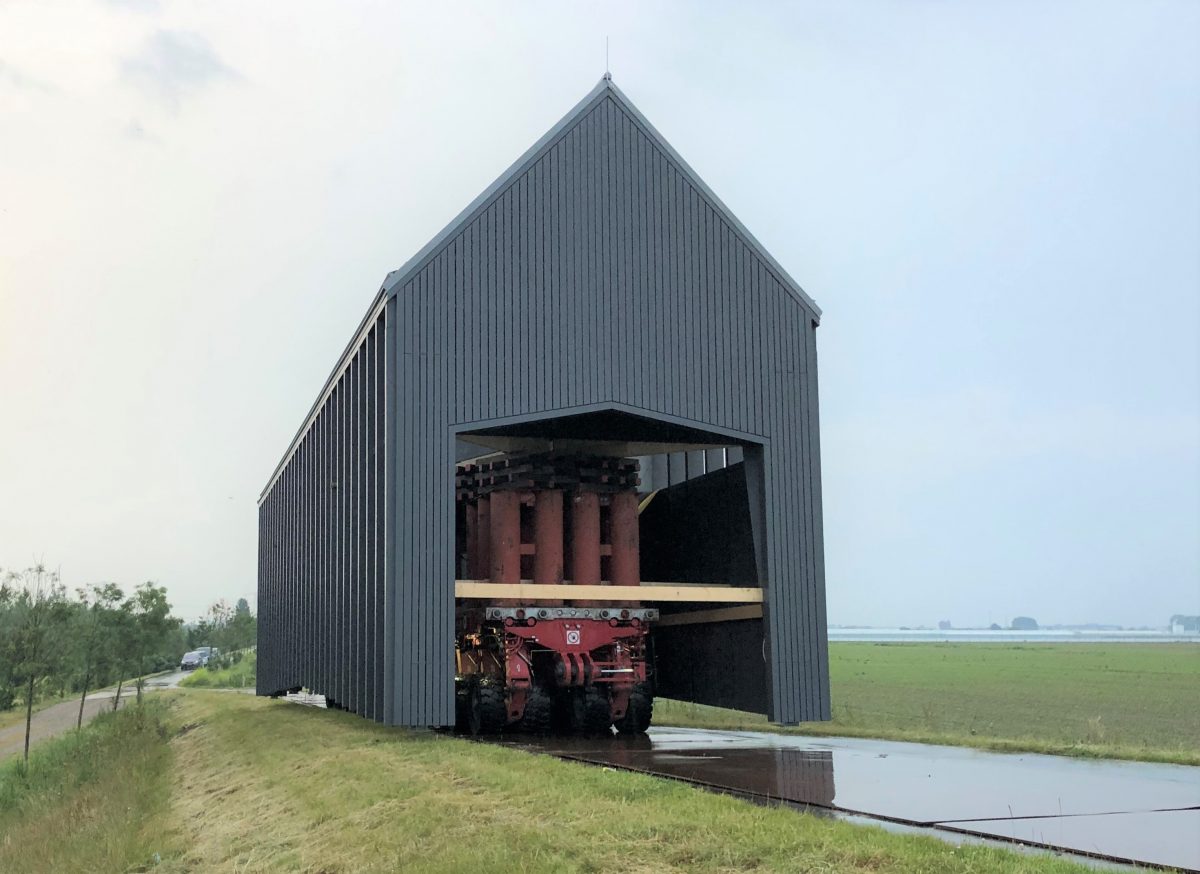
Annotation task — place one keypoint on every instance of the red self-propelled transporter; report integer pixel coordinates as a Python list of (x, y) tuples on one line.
[(552, 664)]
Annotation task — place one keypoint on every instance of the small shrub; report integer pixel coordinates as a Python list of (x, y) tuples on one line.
[(225, 673)]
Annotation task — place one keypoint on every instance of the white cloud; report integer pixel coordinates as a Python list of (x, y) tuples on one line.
[(137, 5), (21, 80), (172, 64)]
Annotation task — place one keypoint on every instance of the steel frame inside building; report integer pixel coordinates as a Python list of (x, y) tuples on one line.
[(597, 295)]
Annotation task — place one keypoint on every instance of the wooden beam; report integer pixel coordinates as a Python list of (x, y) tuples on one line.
[(483, 590), (726, 614)]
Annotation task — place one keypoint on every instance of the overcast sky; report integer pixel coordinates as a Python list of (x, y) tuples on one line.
[(997, 206)]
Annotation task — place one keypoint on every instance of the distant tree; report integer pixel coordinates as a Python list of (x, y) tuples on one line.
[(40, 615), (1024, 623), (174, 647), (994, 627), (145, 628), (124, 644), (200, 634), (220, 613), (224, 627), (8, 640), (242, 630), (95, 626)]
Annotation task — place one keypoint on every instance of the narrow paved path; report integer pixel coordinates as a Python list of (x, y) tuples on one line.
[(60, 718)]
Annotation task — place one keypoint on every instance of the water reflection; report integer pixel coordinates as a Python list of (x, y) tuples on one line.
[(1125, 810), (803, 776)]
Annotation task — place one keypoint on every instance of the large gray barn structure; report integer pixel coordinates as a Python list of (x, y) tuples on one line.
[(597, 294)]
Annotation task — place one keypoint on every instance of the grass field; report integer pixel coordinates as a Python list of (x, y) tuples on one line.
[(1105, 700), (235, 783)]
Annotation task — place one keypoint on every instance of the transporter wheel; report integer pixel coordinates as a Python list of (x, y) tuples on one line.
[(562, 709), (488, 713), (591, 712), (462, 707), (539, 712), (639, 713)]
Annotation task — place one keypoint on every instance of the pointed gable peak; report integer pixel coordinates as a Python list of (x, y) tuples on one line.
[(604, 89)]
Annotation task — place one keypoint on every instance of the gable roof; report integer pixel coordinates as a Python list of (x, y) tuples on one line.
[(605, 89)]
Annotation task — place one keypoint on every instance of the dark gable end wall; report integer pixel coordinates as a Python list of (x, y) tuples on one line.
[(601, 275)]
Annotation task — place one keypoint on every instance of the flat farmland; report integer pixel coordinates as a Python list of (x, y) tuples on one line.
[(1112, 700)]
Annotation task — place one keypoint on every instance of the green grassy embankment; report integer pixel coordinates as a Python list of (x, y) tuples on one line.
[(266, 785), (92, 800), (1126, 701), (199, 781), (239, 675)]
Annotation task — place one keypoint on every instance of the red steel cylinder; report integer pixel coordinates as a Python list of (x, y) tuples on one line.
[(548, 537), (483, 539), (585, 539), (625, 544), (474, 571), (506, 537)]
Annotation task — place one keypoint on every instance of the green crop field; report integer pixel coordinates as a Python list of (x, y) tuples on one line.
[(219, 782), (1112, 700)]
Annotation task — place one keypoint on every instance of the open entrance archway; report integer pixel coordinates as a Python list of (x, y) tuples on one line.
[(700, 536)]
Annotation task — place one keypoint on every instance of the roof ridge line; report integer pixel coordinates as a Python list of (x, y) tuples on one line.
[(758, 248), (412, 265)]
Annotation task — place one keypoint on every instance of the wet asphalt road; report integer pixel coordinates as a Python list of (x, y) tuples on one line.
[(1128, 811)]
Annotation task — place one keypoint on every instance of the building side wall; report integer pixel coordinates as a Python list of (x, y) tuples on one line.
[(323, 545)]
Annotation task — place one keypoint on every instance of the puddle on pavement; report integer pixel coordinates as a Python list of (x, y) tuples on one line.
[(1168, 837), (1125, 810)]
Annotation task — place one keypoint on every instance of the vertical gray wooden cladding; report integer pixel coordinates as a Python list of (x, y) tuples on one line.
[(599, 273), (321, 552)]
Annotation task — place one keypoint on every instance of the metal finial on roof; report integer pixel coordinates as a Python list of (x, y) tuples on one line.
[(607, 73)]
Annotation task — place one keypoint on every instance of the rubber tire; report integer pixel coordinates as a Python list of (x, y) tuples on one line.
[(539, 712), (562, 706), (488, 713), (639, 712), (591, 712), (462, 709)]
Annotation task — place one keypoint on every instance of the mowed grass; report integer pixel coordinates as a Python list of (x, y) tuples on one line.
[(265, 785), (91, 800), (1121, 700)]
